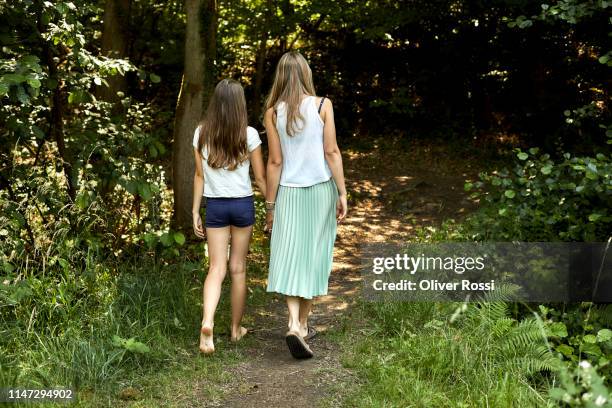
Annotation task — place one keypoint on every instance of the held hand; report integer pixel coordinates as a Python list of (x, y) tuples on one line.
[(341, 207), (197, 227), (269, 221)]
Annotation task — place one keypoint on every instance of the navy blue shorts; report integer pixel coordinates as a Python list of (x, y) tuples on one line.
[(221, 212)]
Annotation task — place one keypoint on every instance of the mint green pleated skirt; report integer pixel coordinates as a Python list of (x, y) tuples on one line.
[(302, 243)]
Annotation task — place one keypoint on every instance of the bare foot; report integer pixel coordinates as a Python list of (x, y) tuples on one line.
[(237, 336), (303, 330), (207, 346)]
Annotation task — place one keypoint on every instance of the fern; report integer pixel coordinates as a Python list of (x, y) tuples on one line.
[(510, 345), (501, 326), (523, 335), (530, 365), (494, 305), (505, 292), (493, 311)]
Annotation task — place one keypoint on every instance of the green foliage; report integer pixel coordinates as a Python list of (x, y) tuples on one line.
[(573, 11), (130, 345), (93, 328), (542, 199), (568, 11), (581, 337), (20, 78), (79, 176), (448, 355), (581, 386), (581, 332)]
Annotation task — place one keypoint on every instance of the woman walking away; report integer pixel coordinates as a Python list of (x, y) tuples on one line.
[(306, 193), (224, 146)]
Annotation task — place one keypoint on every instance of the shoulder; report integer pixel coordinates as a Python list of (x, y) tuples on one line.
[(327, 109), (196, 135), (326, 101), (253, 139), (251, 132)]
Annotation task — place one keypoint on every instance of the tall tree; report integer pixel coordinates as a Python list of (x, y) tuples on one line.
[(188, 113), (262, 52), (115, 44)]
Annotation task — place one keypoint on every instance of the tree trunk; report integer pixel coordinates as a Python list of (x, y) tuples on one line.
[(262, 53), (211, 24), (56, 121), (259, 74), (188, 113), (114, 45)]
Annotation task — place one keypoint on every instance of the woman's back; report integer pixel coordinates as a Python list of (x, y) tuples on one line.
[(303, 155)]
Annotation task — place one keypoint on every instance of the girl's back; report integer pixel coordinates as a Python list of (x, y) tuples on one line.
[(223, 182), (303, 155)]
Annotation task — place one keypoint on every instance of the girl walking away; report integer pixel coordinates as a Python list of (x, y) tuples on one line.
[(306, 194), (224, 147)]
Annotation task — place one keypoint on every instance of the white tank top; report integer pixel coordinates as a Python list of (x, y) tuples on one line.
[(304, 162)]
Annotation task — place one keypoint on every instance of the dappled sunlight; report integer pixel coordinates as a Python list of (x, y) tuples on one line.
[(388, 201)]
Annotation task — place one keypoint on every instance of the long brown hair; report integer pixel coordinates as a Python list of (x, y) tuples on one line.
[(292, 80), (223, 129)]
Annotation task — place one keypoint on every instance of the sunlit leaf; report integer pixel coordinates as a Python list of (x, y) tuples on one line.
[(179, 238)]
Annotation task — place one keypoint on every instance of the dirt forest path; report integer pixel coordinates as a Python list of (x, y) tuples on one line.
[(389, 196)]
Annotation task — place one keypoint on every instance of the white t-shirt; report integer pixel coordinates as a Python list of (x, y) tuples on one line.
[(228, 183), (304, 161)]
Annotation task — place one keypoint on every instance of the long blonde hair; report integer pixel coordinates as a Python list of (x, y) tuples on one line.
[(292, 80), (223, 129)]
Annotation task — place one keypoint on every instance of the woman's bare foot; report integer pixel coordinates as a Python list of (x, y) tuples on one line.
[(238, 334), (207, 346)]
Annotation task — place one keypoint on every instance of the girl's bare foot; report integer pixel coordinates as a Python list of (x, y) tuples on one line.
[(207, 346), (238, 334)]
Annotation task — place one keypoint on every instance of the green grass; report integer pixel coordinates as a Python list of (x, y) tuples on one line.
[(428, 354), (119, 327), (412, 355), (59, 332)]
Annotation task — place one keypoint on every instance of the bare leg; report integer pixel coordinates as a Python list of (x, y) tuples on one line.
[(218, 239), (237, 265), (295, 341), (293, 304), (305, 307)]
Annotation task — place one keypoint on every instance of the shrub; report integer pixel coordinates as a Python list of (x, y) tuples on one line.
[(546, 200)]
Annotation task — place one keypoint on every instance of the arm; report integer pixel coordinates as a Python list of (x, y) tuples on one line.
[(198, 190), (333, 156), (275, 163), (256, 158)]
